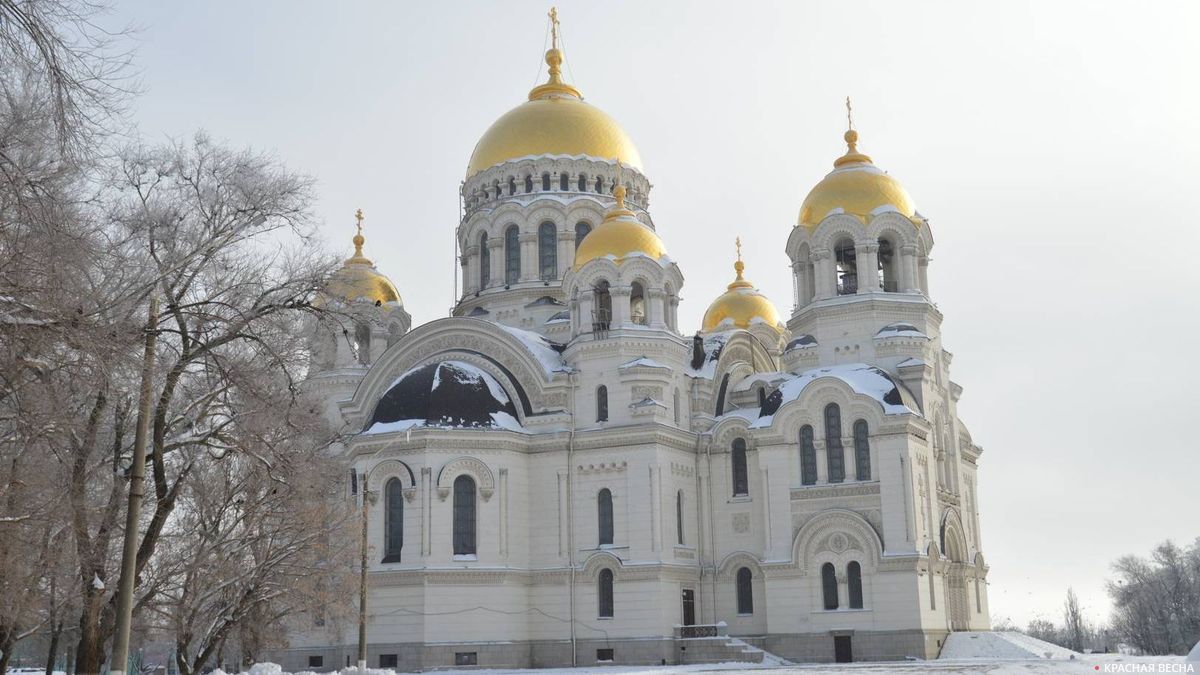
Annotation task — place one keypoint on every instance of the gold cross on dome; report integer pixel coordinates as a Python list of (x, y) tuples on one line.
[(358, 217), (849, 114), (554, 27), (738, 243)]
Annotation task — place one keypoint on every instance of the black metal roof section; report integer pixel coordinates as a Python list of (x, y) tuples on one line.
[(478, 311), (446, 394), (801, 342)]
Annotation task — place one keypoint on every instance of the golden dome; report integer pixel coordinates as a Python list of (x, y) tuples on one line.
[(857, 187), (554, 121), (621, 235), (358, 280), (740, 306)]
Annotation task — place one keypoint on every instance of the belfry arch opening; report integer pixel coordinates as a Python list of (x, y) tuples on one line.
[(846, 267), (602, 306), (886, 264), (637, 303)]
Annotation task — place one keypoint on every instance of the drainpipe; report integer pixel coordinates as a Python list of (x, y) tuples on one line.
[(571, 519)]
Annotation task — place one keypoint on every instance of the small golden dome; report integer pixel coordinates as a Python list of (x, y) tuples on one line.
[(856, 187), (741, 305), (621, 235), (358, 280), (554, 121)]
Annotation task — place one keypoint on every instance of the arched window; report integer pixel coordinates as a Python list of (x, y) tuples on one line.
[(745, 591), (485, 261), (829, 586), (721, 395), (602, 403), (599, 184), (678, 418), (512, 255), (495, 189), (528, 184), (582, 182), (637, 303), (846, 259), (512, 185), (862, 451), (679, 522), (581, 230), (604, 515), (545, 182), (393, 520), (604, 592), (835, 458), (362, 343), (464, 515), (548, 250), (887, 266), (602, 311), (854, 581), (808, 456), (564, 182), (741, 477)]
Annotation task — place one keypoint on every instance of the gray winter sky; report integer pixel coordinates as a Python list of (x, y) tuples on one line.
[(1053, 145)]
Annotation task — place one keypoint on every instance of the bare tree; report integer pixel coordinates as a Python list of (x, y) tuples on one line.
[(1157, 601), (1075, 631)]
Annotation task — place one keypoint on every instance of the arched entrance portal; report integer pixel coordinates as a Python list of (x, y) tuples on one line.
[(958, 603)]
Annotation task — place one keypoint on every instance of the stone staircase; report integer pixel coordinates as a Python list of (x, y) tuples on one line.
[(711, 644)]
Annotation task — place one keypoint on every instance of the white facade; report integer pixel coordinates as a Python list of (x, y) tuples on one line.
[(681, 413)]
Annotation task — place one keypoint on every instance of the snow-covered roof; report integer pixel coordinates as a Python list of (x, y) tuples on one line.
[(447, 394), (542, 349), (864, 379), (713, 344), (642, 362), (900, 330)]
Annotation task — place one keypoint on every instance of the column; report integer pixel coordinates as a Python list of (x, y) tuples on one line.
[(529, 256), (502, 488), (923, 274), (797, 285), (823, 274), (496, 244), (583, 318), (908, 269), (655, 511), (427, 510), (868, 267), (656, 308), (620, 306), (566, 250), (470, 263)]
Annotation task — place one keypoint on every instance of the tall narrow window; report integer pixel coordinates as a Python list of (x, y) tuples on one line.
[(548, 251), (528, 184), (637, 303), (582, 182), (854, 581), (678, 412), (846, 265), (564, 182), (679, 520), (512, 255), (485, 261), (362, 343), (808, 456), (834, 455), (829, 586), (745, 591), (604, 591), (862, 451), (393, 520), (602, 403), (599, 184), (932, 592), (545, 182), (604, 514), (741, 477), (512, 185), (464, 515), (887, 266), (581, 230)]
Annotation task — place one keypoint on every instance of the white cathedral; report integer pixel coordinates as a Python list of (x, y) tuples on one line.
[(560, 473)]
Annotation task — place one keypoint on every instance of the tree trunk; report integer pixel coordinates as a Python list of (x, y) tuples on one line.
[(6, 648), (89, 654), (52, 653)]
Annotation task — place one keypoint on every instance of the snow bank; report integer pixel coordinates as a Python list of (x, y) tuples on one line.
[(266, 668), (1001, 645), (1194, 655)]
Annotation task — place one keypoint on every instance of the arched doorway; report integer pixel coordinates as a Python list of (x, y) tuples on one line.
[(954, 543)]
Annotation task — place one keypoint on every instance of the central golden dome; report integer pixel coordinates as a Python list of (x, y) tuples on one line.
[(856, 187), (740, 306), (621, 235), (357, 280), (554, 121)]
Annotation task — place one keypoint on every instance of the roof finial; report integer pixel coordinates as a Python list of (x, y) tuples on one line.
[(739, 266), (554, 28), (852, 156), (359, 239), (619, 188), (849, 115)]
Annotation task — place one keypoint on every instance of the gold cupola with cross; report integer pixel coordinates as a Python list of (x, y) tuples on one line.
[(741, 305), (620, 236), (555, 121), (357, 280), (855, 187)]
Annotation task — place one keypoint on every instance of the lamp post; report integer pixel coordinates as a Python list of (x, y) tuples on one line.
[(368, 499)]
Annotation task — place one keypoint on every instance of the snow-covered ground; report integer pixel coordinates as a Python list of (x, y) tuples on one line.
[(1087, 663)]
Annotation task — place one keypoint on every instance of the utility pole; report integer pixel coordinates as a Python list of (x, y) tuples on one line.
[(137, 477), (362, 575)]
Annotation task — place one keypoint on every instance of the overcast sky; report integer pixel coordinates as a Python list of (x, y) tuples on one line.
[(1052, 145)]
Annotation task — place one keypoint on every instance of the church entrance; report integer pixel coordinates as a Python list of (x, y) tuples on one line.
[(958, 605), (689, 607), (842, 649)]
